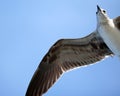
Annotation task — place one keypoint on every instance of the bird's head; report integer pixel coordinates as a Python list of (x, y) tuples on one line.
[(102, 16)]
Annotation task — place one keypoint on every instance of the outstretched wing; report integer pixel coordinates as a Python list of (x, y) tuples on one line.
[(64, 55), (117, 22)]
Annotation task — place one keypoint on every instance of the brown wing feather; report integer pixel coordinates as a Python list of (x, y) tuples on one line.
[(117, 22), (64, 55)]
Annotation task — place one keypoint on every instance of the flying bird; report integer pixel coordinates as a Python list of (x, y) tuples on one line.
[(68, 54)]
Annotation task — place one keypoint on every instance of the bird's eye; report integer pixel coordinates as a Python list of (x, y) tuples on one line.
[(104, 11)]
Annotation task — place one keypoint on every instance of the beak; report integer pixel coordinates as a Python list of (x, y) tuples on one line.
[(98, 8)]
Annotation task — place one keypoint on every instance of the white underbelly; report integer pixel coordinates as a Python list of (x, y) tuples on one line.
[(111, 37)]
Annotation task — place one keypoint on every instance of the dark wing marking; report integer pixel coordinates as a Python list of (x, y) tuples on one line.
[(64, 55), (117, 22)]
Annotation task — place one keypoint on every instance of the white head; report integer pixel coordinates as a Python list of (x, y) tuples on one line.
[(101, 16)]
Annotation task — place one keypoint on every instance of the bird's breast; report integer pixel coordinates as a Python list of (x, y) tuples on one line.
[(111, 37)]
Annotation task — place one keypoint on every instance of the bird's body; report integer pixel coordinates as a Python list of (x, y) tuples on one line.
[(109, 30), (111, 36), (68, 54)]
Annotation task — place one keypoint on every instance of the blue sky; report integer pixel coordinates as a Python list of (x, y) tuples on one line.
[(28, 28)]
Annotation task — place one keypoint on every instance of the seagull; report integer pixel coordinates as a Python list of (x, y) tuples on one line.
[(67, 54)]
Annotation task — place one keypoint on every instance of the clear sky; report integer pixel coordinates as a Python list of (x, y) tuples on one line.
[(28, 28)]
